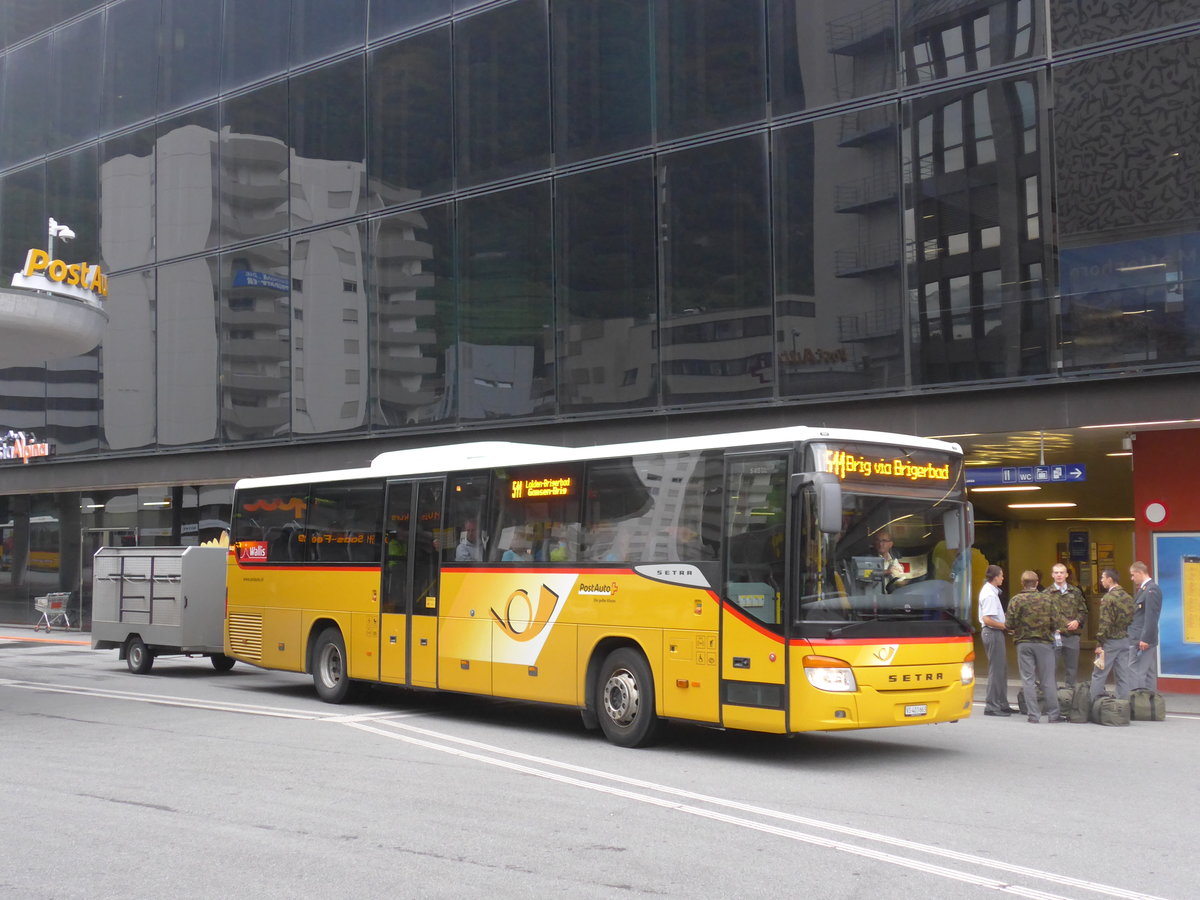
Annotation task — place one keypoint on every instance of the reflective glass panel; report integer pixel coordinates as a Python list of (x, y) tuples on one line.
[(255, 343), (130, 91), (188, 365), (71, 198), (189, 67), (327, 143), (502, 92), (837, 292), (254, 164), (1087, 21), (323, 27), (410, 150), (330, 330), (716, 332), (187, 183), (22, 118), (75, 80), (503, 361), (128, 357), (976, 170), (255, 42), (393, 16), (607, 293), (73, 403), (127, 200), (711, 68), (940, 42), (828, 51), (23, 225), (414, 316), (1125, 133), (601, 76)]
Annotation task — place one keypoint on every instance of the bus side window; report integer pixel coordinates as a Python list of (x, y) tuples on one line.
[(467, 518), (272, 520), (755, 531), (537, 514)]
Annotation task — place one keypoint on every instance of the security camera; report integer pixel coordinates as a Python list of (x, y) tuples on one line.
[(65, 233)]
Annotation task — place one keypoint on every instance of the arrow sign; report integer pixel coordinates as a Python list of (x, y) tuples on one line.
[(1058, 473)]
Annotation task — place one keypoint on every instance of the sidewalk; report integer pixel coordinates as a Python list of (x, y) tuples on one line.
[(25, 633), (1176, 702)]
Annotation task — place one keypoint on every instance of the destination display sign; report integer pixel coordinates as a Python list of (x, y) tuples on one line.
[(866, 463)]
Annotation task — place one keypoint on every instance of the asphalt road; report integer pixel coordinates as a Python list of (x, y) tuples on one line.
[(191, 783)]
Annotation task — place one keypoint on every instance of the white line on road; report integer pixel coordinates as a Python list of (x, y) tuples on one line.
[(971, 859)]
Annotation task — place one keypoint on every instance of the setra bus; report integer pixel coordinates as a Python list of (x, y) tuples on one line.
[(731, 580)]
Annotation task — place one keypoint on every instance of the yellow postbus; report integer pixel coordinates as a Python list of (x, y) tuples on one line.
[(731, 580)]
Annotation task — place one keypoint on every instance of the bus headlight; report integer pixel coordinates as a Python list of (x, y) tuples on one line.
[(968, 669), (828, 674)]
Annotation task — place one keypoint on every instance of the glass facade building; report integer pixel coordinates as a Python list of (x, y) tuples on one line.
[(333, 227)]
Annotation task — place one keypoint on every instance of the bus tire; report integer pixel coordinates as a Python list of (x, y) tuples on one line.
[(625, 699), (221, 662), (329, 671), (138, 656)]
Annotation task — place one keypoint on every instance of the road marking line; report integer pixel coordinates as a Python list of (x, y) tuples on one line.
[(862, 834)]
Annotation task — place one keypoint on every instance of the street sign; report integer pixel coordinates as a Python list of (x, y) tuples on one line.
[(1059, 473)]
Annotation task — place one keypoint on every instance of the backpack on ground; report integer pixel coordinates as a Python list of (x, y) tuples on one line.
[(1079, 707), (1108, 710), (1147, 706), (1065, 696)]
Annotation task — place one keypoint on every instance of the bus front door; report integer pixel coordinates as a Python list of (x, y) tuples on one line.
[(411, 577)]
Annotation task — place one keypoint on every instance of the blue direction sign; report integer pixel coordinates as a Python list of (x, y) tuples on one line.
[(1058, 473)]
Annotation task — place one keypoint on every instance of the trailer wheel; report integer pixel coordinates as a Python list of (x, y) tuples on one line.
[(625, 699), (221, 662), (329, 667), (138, 656)]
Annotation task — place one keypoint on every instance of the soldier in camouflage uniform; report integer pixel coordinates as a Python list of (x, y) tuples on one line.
[(1032, 618), (1116, 615), (1073, 608)]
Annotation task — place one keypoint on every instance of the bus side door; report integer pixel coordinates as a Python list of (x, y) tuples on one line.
[(753, 651), (410, 586)]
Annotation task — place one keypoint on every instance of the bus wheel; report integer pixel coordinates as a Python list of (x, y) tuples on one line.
[(625, 699), (329, 667), (138, 656), (221, 662)]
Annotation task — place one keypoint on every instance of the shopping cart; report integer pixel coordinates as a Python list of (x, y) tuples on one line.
[(53, 608)]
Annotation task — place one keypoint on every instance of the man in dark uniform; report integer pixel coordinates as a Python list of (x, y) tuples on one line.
[(1032, 618), (1112, 636), (1073, 608), (1143, 631)]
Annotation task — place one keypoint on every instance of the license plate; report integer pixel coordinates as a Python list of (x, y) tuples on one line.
[(916, 709)]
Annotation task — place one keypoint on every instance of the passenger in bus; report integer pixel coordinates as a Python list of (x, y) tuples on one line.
[(470, 548), (518, 551)]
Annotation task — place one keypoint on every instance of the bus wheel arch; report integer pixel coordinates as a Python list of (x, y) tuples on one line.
[(329, 664), (623, 695)]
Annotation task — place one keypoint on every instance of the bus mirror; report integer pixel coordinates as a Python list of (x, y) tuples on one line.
[(959, 522), (828, 495)]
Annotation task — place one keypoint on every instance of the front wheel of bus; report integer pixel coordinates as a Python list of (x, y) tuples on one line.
[(625, 699), (329, 667)]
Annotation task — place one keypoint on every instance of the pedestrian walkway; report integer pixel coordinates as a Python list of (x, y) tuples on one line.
[(1176, 702), (26, 634)]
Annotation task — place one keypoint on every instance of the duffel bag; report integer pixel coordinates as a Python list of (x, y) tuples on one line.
[(1080, 705), (1147, 706), (1022, 705), (1108, 710)]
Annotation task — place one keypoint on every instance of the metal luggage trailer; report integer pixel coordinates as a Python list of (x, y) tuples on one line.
[(158, 601)]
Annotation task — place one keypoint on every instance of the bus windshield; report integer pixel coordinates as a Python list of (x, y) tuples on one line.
[(892, 571)]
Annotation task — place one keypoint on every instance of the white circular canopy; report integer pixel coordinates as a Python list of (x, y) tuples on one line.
[(36, 327)]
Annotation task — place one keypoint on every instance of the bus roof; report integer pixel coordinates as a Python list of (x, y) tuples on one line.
[(489, 454)]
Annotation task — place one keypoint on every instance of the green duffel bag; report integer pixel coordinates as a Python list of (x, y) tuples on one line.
[(1021, 704), (1065, 696), (1080, 705), (1108, 710), (1147, 706)]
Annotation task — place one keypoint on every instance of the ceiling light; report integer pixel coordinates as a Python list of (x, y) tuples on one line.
[(1142, 268), (1000, 488), (1120, 453), (1141, 424), (981, 462), (1089, 519), (157, 503), (1042, 505)]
